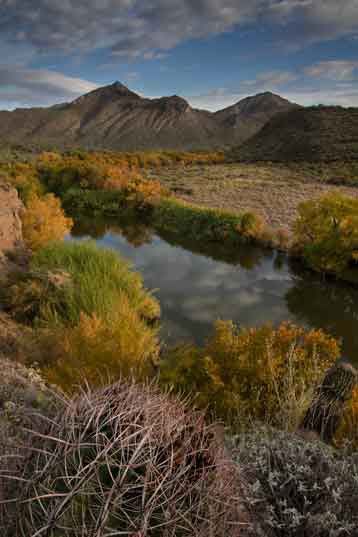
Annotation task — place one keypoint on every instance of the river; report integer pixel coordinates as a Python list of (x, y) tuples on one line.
[(197, 284)]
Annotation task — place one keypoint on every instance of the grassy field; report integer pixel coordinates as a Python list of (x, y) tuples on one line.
[(271, 190)]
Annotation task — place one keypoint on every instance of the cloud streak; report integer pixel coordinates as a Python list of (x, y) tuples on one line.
[(135, 28), (21, 86), (339, 70)]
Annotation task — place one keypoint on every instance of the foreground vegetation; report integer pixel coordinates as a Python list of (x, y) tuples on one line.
[(92, 318), (130, 457)]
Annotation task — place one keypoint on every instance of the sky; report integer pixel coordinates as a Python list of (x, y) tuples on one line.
[(211, 52)]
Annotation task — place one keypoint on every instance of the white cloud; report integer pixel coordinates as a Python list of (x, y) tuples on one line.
[(270, 79), (21, 86), (338, 70)]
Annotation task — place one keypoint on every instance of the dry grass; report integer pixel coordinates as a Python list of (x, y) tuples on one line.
[(272, 191)]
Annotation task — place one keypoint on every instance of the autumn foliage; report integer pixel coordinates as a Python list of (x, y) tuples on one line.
[(259, 373), (326, 232), (100, 350), (44, 221)]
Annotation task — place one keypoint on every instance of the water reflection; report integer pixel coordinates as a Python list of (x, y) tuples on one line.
[(197, 284)]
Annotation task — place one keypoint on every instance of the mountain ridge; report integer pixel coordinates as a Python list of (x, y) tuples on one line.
[(114, 117)]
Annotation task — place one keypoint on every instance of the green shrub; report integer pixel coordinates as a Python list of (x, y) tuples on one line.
[(98, 201), (61, 174), (202, 223), (326, 233)]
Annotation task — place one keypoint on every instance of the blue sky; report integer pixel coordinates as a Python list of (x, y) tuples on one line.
[(212, 52)]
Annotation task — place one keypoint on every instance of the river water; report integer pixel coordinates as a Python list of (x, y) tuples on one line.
[(197, 284)]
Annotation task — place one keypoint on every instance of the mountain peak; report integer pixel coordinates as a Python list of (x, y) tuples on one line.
[(110, 92), (266, 97), (173, 102), (121, 89)]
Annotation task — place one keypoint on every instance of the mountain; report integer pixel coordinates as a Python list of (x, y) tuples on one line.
[(316, 134), (114, 117), (249, 115)]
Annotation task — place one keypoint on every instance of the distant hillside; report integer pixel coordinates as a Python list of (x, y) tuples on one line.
[(320, 133), (249, 115), (113, 117)]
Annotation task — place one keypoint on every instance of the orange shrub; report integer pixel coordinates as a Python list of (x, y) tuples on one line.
[(98, 350), (44, 221), (259, 373)]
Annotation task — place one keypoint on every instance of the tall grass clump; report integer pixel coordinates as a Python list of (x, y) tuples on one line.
[(98, 280), (126, 460)]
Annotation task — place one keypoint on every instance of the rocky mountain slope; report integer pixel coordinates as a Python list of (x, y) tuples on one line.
[(315, 134), (113, 117), (249, 115)]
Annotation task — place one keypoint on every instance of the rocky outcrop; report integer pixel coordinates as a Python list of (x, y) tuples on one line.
[(10, 222)]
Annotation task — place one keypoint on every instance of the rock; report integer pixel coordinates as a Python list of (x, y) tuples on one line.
[(10, 223)]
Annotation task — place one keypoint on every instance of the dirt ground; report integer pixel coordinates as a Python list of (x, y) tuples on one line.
[(272, 191)]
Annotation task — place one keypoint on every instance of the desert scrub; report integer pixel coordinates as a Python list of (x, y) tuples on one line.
[(202, 223), (296, 488), (262, 374), (43, 221), (126, 460), (326, 233)]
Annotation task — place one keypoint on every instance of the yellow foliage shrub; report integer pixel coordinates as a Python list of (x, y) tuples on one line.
[(100, 350), (44, 221), (262, 374), (326, 232)]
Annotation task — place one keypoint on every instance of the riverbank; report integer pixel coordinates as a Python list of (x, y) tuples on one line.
[(271, 191), (208, 200)]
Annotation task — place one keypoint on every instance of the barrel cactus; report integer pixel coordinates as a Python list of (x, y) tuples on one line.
[(126, 460)]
